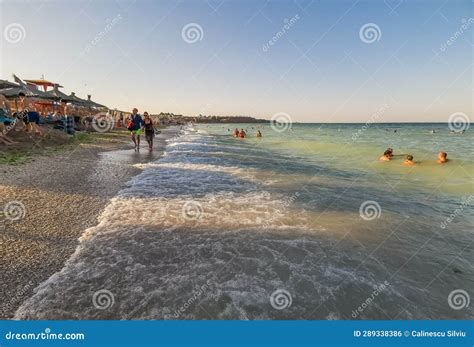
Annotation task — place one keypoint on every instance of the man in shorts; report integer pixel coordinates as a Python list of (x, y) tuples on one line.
[(134, 125)]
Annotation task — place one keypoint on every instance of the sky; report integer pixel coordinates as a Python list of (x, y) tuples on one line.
[(313, 60)]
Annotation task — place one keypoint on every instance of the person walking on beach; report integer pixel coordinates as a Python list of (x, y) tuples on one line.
[(134, 125), (149, 130)]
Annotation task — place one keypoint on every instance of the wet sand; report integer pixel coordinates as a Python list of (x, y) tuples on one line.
[(62, 194)]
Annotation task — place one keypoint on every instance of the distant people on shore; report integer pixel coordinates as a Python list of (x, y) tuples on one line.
[(149, 128), (134, 125), (442, 157)]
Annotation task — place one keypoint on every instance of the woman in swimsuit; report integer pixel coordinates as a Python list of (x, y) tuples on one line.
[(149, 130)]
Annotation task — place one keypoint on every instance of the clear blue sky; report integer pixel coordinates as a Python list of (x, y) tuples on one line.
[(319, 70)]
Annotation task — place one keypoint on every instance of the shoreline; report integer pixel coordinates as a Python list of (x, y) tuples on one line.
[(63, 194)]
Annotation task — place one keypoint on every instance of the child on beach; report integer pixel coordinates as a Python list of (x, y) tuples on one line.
[(409, 161), (442, 157)]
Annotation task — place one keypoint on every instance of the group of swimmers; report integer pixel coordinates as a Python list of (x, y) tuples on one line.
[(388, 154), (242, 134)]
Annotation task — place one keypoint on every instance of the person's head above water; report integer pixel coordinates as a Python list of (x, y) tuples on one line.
[(442, 157), (409, 161)]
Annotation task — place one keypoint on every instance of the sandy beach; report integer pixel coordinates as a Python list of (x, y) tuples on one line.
[(63, 193)]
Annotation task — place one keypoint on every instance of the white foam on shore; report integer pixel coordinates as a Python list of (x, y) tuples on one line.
[(182, 225)]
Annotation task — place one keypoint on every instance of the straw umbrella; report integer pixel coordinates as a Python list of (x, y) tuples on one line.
[(77, 100), (7, 84), (57, 95), (94, 104)]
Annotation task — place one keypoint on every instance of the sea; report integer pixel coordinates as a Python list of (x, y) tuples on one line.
[(302, 223)]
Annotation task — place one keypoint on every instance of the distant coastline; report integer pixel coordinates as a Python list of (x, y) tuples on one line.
[(171, 118), (176, 119)]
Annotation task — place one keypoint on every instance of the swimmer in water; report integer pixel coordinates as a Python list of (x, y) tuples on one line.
[(442, 157), (259, 134), (387, 155), (242, 133), (236, 132), (409, 161)]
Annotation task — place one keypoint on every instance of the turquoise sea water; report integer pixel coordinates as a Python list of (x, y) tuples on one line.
[(300, 224)]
